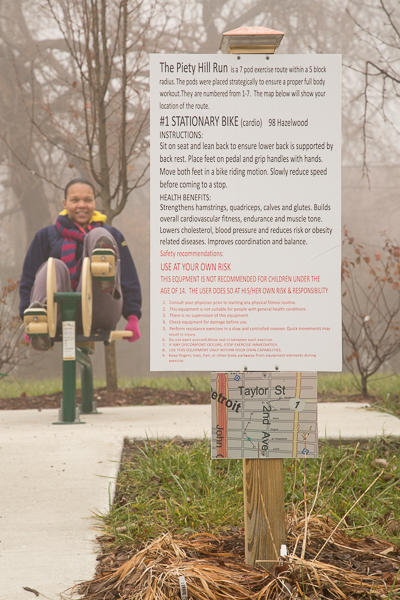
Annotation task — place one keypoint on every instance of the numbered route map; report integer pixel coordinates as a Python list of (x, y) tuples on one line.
[(265, 415)]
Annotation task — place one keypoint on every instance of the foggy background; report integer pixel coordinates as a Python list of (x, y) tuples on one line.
[(42, 106)]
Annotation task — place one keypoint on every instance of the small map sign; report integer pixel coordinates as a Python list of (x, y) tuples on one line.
[(264, 415)]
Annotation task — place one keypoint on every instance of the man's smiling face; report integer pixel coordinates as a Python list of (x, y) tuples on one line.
[(80, 203)]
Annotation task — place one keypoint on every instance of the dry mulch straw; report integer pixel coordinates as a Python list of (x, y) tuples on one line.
[(335, 566)]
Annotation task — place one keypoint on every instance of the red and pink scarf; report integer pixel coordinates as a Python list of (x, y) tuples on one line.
[(74, 236)]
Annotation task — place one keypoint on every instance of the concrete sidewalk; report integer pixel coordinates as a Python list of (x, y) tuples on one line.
[(54, 478)]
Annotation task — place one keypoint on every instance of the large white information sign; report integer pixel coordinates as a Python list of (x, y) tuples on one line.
[(245, 212)]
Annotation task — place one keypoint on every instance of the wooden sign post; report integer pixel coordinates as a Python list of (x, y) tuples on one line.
[(264, 510), (264, 507)]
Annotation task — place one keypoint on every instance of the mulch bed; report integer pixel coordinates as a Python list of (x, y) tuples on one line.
[(329, 565), (122, 397), (323, 562)]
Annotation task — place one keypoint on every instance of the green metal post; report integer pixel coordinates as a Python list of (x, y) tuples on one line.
[(69, 302), (85, 364)]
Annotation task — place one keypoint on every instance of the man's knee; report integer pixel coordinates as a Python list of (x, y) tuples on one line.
[(99, 232)]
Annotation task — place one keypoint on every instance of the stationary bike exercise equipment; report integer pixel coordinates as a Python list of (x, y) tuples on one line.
[(76, 347)]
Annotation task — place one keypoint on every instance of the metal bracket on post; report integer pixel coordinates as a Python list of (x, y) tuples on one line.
[(88, 406)]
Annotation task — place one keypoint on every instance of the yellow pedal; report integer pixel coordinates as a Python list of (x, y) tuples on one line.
[(35, 321), (103, 263)]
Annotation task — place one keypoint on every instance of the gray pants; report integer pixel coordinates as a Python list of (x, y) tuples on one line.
[(107, 309)]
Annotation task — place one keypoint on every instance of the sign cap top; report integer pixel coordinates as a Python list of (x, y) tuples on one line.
[(253, 31), (247, 40)]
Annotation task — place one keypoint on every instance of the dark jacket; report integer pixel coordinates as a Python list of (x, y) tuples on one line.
[(48, 243)]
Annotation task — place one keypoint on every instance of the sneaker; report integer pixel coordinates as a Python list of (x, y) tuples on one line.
[(39, 342)]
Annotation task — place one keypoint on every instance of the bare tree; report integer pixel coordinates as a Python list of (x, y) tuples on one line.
[(93, 107), (378, 27), (95, 90), (96, 110), (12, 346), (17, 48), (371, 308)]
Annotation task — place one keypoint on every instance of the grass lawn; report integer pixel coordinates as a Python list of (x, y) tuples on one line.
[(164, 487)]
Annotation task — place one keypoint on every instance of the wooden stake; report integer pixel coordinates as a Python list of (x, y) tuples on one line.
[(264, 510), (111, 367)]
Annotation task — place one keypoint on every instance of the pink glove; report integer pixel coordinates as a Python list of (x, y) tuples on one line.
[(27, 338), (133, 325)]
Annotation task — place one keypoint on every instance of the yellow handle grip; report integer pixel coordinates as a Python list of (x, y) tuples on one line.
[(98, 269), (120, 335)]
